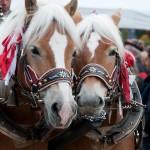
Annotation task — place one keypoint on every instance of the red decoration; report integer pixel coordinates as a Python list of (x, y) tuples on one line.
[(10, 46), (124, 76), (143, 75)]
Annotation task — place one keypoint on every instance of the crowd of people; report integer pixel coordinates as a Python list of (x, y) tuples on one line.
[(141, 69)]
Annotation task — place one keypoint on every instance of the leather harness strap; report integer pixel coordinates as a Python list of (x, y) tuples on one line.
[(72, 134), (49, 78), (17, 132)]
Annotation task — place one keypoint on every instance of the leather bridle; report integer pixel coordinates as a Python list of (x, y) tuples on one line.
[(96, 70), (37, 85), (111, 82)]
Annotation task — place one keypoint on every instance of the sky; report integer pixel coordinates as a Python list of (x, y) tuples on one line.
[(18, 3), (129, 4), (135, 13)]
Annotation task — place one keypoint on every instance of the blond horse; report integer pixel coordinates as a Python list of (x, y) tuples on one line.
[(100, 42), (42, 80)]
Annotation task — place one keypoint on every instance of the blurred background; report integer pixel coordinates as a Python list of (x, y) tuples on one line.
[(135, 22)]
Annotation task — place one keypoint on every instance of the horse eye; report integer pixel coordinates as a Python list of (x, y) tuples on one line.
[(34, 50), (112, 53)]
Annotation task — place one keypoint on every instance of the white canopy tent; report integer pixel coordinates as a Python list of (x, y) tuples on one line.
[(135, 13)]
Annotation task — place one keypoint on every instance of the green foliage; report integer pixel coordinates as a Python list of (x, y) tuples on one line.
[(139, 34), (124, 34), (147, 43)]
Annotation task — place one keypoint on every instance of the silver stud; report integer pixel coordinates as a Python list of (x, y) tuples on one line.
[(45, 80), (131, 123), (40, 84), (30, 81)]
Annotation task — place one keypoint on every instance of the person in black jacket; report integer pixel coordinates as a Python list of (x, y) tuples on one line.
[(138, 49), (146, 101)]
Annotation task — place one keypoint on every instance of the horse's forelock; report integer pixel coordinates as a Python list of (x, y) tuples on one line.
[(43, 19), (104, 26), (39, 24), (42, 2)]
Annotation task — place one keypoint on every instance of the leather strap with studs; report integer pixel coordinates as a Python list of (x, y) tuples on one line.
[(49, 78), (99, 71)]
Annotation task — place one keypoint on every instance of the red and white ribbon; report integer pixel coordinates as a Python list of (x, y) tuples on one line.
[(8, 59), (129, 61)]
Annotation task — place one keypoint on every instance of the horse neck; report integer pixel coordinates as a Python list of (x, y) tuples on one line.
[(22, 113)]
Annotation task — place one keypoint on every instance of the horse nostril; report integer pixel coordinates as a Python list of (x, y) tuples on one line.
[(78, 101), (55, 107), (101, 101)]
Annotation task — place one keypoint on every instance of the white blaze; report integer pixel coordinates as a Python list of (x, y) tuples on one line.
[(58, 44), (93, 42)]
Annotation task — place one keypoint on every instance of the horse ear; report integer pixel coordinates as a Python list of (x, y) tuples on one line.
[(77, 17), (71, 7), (117, 16), (31, 6)]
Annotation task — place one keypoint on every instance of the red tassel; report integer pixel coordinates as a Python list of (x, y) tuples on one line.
[(124, 76), (9, 49), (124, 80)]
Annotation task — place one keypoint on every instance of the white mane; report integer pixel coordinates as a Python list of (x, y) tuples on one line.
[(39, 23), (104, 26)]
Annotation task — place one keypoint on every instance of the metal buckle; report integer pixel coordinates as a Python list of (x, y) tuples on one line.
[(102, 116), (134, 103), (35, 95), (34, 99)]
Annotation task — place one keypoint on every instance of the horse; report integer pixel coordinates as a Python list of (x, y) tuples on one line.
[(38, 44), (97, 67)]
